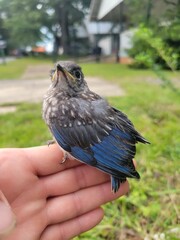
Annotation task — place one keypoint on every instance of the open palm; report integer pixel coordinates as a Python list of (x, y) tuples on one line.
[(52, 200)]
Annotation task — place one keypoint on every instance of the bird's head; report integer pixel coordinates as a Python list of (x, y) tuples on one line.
[(67, 76)]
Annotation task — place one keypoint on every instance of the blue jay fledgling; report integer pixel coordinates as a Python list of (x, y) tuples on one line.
[(87, 127)]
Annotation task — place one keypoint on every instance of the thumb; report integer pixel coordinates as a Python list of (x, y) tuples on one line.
[(7, 219)]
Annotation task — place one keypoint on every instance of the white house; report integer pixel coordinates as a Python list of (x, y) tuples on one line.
[(116, 41), (118, 37)]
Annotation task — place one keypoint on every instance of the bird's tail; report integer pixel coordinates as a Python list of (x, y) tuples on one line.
[(115, 183)]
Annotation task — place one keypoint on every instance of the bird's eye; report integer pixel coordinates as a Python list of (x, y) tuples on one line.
[(77, 74)]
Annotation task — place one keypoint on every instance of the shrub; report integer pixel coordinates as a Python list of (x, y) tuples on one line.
[(149, 48)]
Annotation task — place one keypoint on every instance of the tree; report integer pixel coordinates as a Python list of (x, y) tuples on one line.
[(25, 19), (66, 14), (22, 21)]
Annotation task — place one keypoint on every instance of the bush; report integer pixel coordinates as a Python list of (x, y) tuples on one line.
[(149, 48)]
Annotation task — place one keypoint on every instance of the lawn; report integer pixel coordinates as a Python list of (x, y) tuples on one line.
[(152, 206), (14, 69)]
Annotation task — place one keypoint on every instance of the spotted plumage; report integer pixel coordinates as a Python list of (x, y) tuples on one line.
[(85, 125)]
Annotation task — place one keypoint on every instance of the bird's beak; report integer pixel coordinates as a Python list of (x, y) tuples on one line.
[(62, 71)]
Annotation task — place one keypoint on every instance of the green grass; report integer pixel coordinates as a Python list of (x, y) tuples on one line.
[(14, 69), (23, 128), (152, 206)]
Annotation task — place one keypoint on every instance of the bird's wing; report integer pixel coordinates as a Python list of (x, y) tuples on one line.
[(122, 120), (82, 123), (98, 137)]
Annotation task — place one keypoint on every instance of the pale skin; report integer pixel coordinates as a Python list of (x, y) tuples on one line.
[(50, 200)]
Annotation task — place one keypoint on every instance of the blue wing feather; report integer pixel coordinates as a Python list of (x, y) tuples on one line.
[(59, 138), (110, 155), (84, 155)]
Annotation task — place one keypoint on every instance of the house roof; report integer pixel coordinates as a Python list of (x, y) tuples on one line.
[(105, 10), (109, 10), (94, 9)]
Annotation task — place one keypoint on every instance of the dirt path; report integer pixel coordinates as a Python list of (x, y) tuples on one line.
[(35, 82)]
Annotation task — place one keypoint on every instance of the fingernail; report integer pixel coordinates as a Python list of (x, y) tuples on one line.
[(7, 220)]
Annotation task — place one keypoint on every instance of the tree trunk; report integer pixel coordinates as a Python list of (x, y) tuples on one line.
[(63, 21), (149, 11)]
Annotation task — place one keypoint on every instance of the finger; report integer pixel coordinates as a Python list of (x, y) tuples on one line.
[(80, 177), (73, 227), (47, 159), (135, 163), (7, 220), (75, 204)]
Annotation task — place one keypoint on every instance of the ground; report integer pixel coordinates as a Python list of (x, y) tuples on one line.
[(35, 82)]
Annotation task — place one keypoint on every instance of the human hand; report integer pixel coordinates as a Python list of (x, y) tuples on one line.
[(51, 200)]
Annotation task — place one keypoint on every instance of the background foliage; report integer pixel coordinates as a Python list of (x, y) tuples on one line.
[(24, 23), (157, 39)]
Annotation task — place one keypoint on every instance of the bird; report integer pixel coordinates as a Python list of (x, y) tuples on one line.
[(86, 126)]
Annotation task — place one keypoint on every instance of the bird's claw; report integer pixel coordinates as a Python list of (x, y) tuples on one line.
[(65, 157), (50, 142)]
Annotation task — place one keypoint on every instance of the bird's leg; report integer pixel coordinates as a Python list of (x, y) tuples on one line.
[(50, 142), (65, 157)]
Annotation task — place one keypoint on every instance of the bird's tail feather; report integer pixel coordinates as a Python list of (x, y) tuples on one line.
[(115, 183)]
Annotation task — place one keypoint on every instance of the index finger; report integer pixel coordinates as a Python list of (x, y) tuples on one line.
[(47, 160)]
